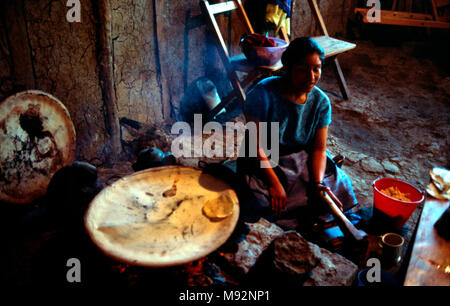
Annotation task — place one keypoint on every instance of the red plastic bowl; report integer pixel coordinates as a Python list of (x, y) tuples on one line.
[(265, 56), (396, 209)]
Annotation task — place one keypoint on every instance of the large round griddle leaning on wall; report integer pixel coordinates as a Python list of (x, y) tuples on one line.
[(37, 138), (163, 216)]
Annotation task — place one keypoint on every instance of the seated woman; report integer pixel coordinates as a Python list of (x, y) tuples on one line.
[(286, 192)]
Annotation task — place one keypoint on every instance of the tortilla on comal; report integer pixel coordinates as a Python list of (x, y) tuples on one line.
[(219, 208)]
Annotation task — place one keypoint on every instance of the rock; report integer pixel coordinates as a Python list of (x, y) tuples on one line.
[(434, 147), (252, 244), (390, 167), (294, 255), (125, 134), (287, 257), (403, 164), (354, 157), (332, 270), (370, 164), (70, 191)]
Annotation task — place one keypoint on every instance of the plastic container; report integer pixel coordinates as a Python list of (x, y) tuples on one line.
[(399, 211), (209, 93), (265, 56)]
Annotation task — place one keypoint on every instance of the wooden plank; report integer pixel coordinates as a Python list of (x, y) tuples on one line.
[(409, 4), (333, 46), (435, 13), (394, 5), (18, 43), (399, 14), (394, 20), (406, 15), (414, 23), (284, 34), (161, 14), (442, 3), (318, 15), (214, 27), (106, 76), (222, 7), (341, 80), (244, 17), (430, 258)]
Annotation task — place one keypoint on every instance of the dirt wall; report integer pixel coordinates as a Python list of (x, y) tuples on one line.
[(335, 14), (50, 54)]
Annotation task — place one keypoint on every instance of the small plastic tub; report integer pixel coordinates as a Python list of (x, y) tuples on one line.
[(399, 211), (265, 56)]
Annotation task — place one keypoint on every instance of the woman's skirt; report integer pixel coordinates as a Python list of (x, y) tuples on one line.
[(293, 172)]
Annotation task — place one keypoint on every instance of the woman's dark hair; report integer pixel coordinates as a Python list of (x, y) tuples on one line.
[(298, 49)]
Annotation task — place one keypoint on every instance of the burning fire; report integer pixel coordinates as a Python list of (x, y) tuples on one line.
[(195, 267)]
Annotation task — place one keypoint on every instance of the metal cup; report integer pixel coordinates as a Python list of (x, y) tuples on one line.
[(391, 245)]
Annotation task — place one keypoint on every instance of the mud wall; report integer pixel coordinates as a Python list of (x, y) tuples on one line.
[(335, 14), (158, 48), (48, 53)]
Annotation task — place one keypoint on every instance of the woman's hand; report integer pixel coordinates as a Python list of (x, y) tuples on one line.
[(321, 189), (278, 197)]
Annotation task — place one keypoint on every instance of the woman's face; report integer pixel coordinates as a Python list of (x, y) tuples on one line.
[(306, 74)]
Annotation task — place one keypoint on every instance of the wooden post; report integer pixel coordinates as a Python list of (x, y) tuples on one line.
[(394, 5), (318, 15), (341, 80), (244, 16), (12, 13), (435, 13), (409, 4), (106, 78)]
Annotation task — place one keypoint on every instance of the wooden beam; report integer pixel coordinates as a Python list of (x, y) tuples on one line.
[(244, 17), (19, 47), (394, 5), (106, 78), (442, 3), (435, 13), (399, 14), (284, 34), (341, 80), (214, 27), (388, 17), (409, 4), (318, 15), (333, 46), (222, 7)]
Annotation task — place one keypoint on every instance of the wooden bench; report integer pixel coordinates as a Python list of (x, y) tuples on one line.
[(408, 18)]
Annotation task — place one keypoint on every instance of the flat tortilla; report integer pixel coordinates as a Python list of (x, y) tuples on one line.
[(219, 208)]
